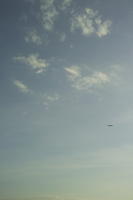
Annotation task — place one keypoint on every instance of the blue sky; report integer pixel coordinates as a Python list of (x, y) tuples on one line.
[(66, 73)]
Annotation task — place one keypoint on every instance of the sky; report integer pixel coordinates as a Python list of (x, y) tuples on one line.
[(66, 73)]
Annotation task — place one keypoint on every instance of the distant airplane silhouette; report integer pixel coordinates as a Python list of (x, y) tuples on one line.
[(110, 125)]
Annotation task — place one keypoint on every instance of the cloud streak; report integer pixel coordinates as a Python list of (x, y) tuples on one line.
[(21, 86)]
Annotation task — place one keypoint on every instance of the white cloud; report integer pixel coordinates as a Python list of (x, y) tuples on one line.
[(49, 11), (103, 28), (33, 37), (89, 22), (97, 79), (21, 86), (84, 22), (64, 4), (49, 14), (86, 82), (33, 60)]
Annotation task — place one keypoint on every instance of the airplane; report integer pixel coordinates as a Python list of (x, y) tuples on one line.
[(109, 124)]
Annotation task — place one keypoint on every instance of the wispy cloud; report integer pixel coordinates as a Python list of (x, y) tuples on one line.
[(21, 86), (90, 22), (33, 60), (49, 14), (49, 11), (103, 28), (33, 37), (86, 82), (49, 99), (64, 4)]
